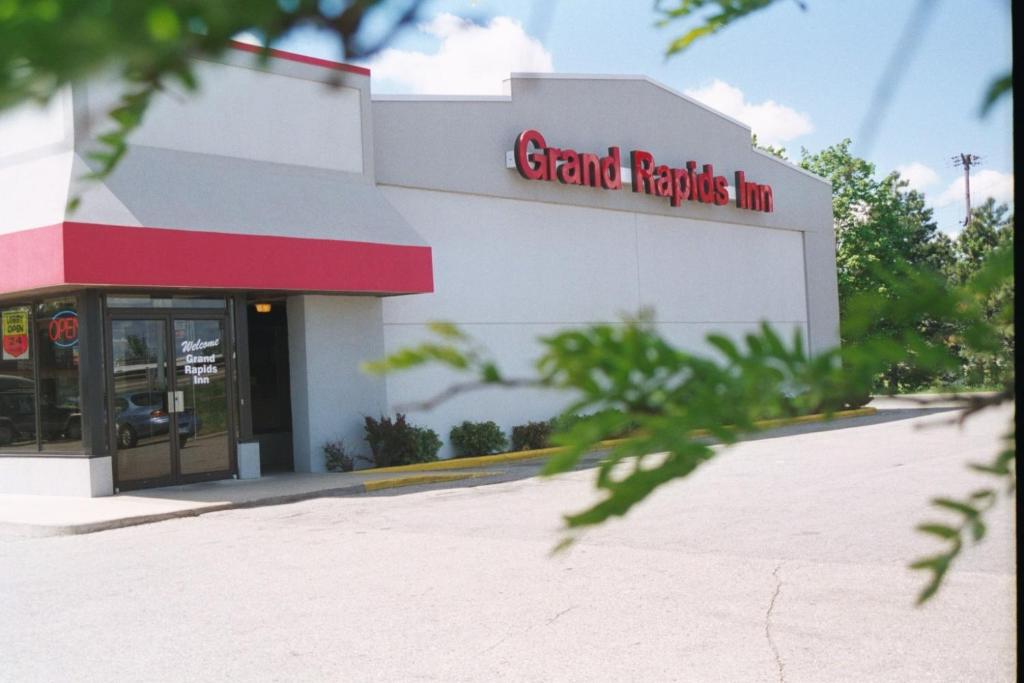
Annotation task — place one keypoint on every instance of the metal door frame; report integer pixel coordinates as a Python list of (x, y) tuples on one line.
[(169, 316)]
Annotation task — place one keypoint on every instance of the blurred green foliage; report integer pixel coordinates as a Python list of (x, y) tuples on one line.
[(150, 44)]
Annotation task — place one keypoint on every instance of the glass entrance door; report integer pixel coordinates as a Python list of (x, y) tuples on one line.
[(140, 405), (200, 376), (170, 399)]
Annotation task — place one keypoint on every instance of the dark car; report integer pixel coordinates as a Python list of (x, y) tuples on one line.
[(18, 417), (144, 414)]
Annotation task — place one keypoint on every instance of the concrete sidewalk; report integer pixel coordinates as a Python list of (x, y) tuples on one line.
[(63, 516)]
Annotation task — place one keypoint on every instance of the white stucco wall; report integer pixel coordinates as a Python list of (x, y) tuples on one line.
[(35, 163), (248, 114), (328, 338), (510, 271)]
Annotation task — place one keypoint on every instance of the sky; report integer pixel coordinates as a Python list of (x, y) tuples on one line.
[(801, 78)]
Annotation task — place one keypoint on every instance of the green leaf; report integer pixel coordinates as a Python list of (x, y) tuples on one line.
[(963, 508), (46, 10), (930, 589), (997, 89), (163, 24), (725, 345), (446, 329), (489, 372), (563, 545), (925, 563), (8, 8), (984, 496), (560, 462), (939, 530), (999, 470)]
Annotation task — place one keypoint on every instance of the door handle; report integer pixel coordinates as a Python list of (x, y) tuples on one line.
[(176, 401)]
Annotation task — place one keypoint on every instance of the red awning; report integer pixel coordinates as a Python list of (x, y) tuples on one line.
[(91, 254)]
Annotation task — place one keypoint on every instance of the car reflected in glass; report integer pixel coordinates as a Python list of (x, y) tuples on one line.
[(140, 415)]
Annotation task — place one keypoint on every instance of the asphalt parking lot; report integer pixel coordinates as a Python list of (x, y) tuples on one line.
[(784, 559)]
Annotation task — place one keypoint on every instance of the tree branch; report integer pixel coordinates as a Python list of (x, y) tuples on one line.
[(466, 387)]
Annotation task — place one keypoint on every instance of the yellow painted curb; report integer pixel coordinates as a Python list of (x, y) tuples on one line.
[(416, 479), (483, 460), (475, 461), (816, 417)]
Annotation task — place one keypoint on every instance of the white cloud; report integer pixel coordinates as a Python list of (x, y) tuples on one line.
[(773, 123), (472, 59), (919, 176), (248, 37), (984, 184)]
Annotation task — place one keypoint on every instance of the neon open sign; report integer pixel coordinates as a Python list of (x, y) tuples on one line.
[(63, 329)]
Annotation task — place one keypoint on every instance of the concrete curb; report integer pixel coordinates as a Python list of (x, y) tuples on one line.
[(26, 530), (413, 480), (499, 458), (21, 529)]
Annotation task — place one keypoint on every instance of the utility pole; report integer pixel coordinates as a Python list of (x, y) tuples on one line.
[(967, 161)]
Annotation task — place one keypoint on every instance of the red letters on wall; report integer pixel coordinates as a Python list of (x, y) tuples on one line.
[(535, 160)]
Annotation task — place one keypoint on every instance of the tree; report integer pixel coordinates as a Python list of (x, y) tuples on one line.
[(879, 224), (990, 227), (778, 152), (989, 231)]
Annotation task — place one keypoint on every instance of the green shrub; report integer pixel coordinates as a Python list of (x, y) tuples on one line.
[(566, 421), (428, 443), (396, 442), (612, 423), (336, 457), (477, 438), (531, 435), (850, 400), (856, 400)]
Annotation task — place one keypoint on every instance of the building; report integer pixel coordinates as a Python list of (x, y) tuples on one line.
[(202, 313)]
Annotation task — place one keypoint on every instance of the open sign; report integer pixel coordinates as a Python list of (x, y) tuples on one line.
[(63, 330)]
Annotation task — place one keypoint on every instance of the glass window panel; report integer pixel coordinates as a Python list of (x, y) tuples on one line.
[(137, 301), (141, 411), (201, 376), (17, 381), (56, 330)]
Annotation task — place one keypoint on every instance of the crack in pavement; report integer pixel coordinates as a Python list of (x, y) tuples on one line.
[(555, 618), (768, 625), (499, 642), (530, 628)]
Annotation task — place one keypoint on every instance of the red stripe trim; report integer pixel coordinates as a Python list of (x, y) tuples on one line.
[(32, 258), (302, 59), (91, 254)]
